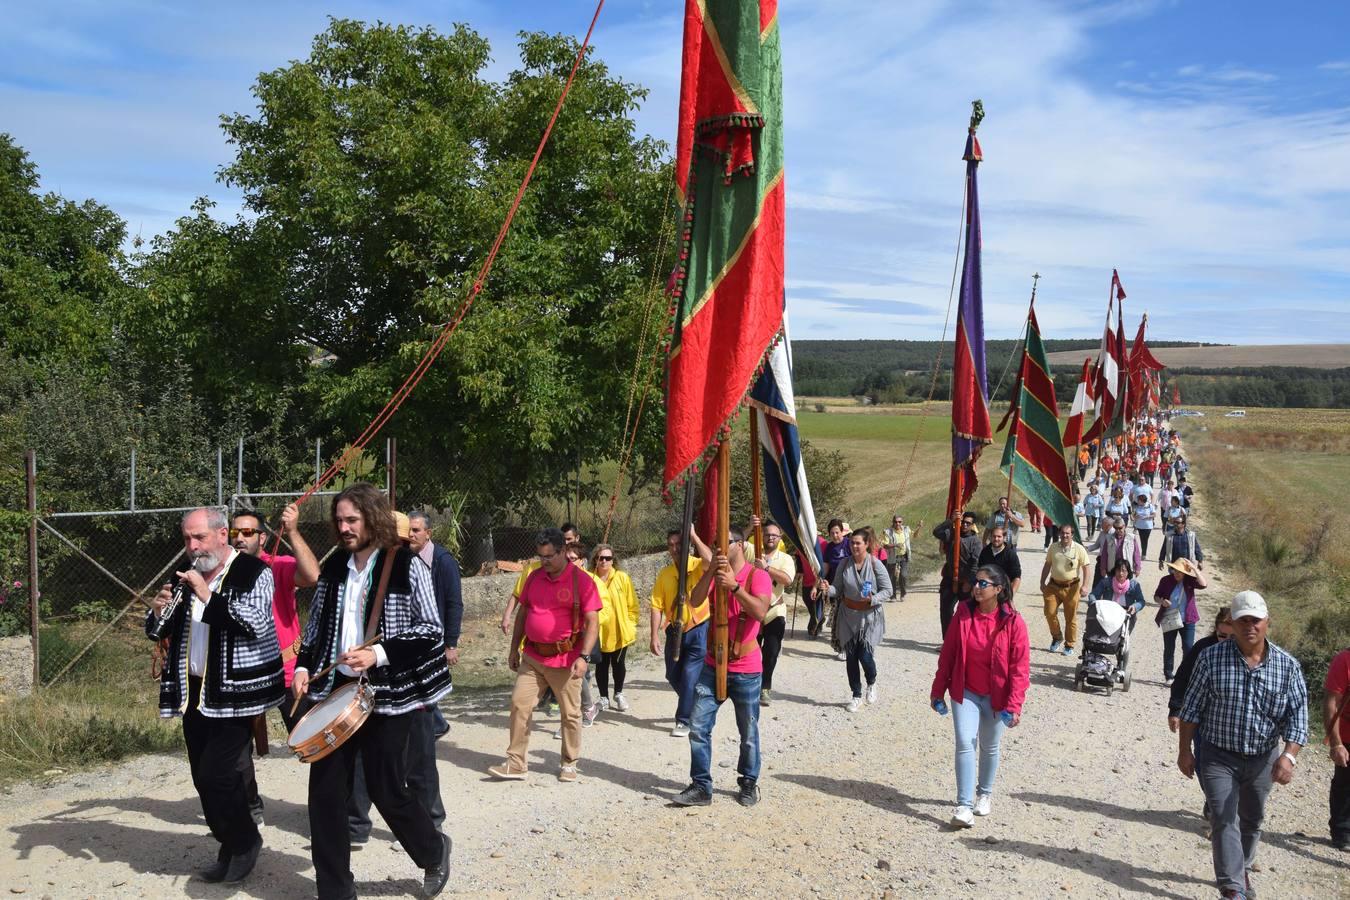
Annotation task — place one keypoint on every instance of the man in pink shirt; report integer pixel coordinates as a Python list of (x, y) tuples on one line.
[(751, 592), (288, 573), (557, 624)]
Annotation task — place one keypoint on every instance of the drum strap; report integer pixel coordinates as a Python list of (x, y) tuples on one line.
[(377, 607)]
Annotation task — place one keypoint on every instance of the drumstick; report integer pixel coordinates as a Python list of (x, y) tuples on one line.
[(322, 672)]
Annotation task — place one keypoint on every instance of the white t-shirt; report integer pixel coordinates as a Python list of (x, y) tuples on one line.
[(199, 635)]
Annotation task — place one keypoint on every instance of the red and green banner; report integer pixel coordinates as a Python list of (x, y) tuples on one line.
[(727, 288), (1033, 452)]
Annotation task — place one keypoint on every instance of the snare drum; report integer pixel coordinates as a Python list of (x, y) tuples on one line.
[(329, 724)]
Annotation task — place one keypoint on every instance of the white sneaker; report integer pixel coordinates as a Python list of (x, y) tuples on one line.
[(680, 730), (603, 703), (621, 703), (963, 817), (854, 704), (841, 656), (982, 804), (871, 694)]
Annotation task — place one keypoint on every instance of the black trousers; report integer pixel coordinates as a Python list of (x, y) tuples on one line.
[(255, 801), (616, 660), (946, 602), (214, 747), (1340, 804), (424, 779), (382, 744), (771, 645)]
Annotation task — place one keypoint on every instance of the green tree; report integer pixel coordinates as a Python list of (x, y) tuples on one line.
[(380, 168)]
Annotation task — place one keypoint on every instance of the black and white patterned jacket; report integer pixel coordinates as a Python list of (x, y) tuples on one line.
[(410, 629), (244, 675)]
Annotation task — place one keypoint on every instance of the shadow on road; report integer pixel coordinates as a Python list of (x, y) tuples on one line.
[(882, 796), (1119, 875)]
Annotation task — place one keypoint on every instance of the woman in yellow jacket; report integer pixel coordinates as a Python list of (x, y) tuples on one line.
[(618, 624)]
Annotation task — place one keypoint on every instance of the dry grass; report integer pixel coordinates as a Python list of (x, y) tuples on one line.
[(1313, 356)]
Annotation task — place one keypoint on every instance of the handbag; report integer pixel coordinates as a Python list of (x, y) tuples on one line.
[(1173, 618)]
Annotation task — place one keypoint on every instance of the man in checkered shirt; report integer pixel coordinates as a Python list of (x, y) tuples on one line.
[(1246, 710)]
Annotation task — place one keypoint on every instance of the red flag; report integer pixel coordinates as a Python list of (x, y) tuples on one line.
[(1082, 402), (1109, 375), (728, 282)]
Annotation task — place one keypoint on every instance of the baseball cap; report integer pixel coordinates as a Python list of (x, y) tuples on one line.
[(1249, 603)]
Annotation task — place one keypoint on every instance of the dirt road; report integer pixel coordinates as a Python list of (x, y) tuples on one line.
[(1088, 800)]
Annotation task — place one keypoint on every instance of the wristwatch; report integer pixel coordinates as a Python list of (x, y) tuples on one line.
[(1293, 760)]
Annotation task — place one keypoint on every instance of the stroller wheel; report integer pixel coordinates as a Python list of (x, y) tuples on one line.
[(1078, 685), (1125, 685)]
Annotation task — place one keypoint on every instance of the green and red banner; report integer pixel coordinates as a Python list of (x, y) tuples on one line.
[(1033, 452), (727, 288)]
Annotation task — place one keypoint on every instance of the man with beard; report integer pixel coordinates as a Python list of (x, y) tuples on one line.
[(998, 552), (372, 587), (222, 667), (288, 573)]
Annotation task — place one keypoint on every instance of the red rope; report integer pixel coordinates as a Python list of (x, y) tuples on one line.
[(419, 371)]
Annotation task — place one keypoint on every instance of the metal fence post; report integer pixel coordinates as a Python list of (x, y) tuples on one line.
[(132, 505), (220, 477), (318, 460), (239, 471), (30, 466), (391, 469)]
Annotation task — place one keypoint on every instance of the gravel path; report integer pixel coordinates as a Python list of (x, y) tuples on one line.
[(1088, 800)]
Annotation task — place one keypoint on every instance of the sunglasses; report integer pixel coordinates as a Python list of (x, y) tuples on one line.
[(983, 583), (244, 532), (605, 558)]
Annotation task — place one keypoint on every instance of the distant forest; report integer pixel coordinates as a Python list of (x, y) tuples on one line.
[(901, 372)]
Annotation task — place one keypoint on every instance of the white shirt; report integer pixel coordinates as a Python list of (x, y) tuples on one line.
[(351, 628), (199, 635)]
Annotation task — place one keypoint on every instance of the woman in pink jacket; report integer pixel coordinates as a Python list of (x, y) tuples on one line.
[(985, 666)]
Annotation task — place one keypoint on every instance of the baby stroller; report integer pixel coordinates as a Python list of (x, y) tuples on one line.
[(1106, 648)]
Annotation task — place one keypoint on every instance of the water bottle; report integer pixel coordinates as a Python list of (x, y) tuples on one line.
[(941, 707), (867, 589), (1007, 717)]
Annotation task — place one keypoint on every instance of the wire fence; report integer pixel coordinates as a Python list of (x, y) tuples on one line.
[(97, 570)]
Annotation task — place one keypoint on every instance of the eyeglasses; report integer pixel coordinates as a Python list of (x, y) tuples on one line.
[(605, 558), (244, 532), (771, 536), (983, 583), (544, 559)]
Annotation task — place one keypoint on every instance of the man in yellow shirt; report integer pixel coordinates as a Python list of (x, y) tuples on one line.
[(782, 570), (690, 634), (1064, 580)]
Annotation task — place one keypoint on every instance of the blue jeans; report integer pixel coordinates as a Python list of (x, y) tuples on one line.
[(1187, 633), (743, 692), (683, 675), (977, 725), (859, 653)]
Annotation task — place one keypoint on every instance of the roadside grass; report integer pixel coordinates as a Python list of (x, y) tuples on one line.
[(1280, 500), (101, 711)]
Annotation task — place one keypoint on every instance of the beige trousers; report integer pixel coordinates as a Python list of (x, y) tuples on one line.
[(1066, 595), (532, 679)]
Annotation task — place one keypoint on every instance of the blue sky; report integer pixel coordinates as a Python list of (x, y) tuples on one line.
[(1203, 148)]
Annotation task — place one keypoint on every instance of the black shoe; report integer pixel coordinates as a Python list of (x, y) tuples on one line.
[(242, 864), (749, 793), (692, 796), (216, 873), (435, 878), (357, 838)]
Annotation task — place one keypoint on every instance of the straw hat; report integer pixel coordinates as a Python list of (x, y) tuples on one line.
[(1182, 567), (403, 526)]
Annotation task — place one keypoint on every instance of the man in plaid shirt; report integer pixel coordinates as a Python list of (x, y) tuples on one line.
[(1246, 710)]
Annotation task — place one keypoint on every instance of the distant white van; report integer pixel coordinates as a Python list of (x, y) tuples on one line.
[(1236, 414)]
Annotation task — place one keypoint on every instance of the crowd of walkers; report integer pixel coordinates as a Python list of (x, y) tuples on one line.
[(1237, 701)]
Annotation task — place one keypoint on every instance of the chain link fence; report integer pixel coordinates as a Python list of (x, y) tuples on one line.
[(99, 569)]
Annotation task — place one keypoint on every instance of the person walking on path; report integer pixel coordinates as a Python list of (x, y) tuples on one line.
[(897, 541), (1009, 519), (1122, 588), (1117, 505), (1034, 517), (1246, 710), (622, 623), (1181, 543), (559, 622), (985, 667), (859, 588), (1064, 580), (1094, 504), (967, 560), (998, 552), (782, 570), (1177, 610), (1114, 544), (1337, 724), (690, 634), (1144, 516), (750, 591)]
